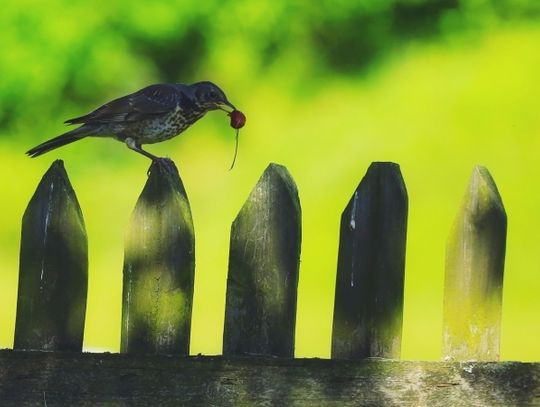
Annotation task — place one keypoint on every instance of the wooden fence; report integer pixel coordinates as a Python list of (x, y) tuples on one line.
[(258, 365)]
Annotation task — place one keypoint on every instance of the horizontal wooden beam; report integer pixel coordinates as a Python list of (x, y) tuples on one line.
[(43, 378)]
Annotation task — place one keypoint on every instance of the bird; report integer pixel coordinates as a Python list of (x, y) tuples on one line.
[(150, 115)]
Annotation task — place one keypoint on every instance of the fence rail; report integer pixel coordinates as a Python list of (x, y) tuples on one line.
[(51, 379), (260, 312)]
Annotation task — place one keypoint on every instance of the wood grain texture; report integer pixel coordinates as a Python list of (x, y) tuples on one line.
[(474, 273), (264, 257), (368, 310), (53, 273), (159, 267), (53, 379)]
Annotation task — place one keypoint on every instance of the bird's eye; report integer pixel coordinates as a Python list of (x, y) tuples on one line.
[(213, 94)]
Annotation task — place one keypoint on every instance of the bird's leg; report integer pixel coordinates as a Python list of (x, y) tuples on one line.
[(166, 162), (132, 144)]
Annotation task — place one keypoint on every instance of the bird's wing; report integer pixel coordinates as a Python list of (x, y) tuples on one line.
[(151, 101)]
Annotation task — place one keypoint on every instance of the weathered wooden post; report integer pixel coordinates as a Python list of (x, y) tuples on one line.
[(474, 273), (159, 267), (53, 273), (368, 311), (264, 257)]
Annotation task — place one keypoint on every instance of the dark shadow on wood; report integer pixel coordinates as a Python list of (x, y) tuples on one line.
[(368, 311), (121, 380), (53, 273), (260, 311), (159, 267), (473, 286)]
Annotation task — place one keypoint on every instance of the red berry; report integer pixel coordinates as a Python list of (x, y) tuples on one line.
[(238, 119)]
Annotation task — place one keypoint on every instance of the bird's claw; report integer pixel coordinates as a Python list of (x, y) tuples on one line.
[(163, 164)]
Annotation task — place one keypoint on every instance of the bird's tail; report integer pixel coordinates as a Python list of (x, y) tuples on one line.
[(61, 140)]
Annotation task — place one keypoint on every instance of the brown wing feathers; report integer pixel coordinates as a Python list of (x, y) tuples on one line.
[(148, 102)]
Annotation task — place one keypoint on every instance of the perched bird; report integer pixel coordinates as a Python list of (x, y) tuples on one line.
[(150, 115)]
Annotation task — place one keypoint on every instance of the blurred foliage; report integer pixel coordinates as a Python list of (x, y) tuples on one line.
[(435, 85), (59, 54)]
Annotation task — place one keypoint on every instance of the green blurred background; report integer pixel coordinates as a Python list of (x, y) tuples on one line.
[(327, 87)]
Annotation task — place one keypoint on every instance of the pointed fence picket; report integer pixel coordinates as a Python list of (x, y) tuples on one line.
[(159, 267), (53, 273), (368, 310), (474, 273), (260, 311)]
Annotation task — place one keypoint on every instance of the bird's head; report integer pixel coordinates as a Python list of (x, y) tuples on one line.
[(210, 97)]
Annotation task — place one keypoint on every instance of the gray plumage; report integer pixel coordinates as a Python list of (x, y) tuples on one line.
[(150, 115)]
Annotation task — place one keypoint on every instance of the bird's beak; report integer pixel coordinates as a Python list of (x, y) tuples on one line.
[(226, 106)]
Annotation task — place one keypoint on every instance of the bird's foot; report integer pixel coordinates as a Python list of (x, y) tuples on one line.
[(162, 164)]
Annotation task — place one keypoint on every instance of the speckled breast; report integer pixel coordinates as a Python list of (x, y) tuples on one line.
[(164, 127)]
